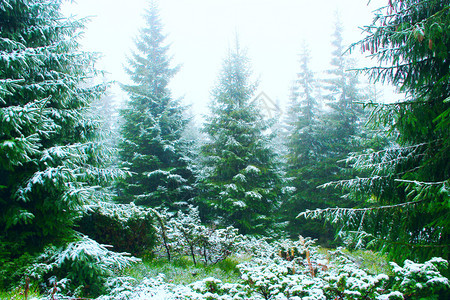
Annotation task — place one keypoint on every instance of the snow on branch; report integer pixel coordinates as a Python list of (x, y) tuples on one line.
[(339, 212)]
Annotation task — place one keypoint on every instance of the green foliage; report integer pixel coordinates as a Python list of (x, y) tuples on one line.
[(19, 294), (14, 262), (323, 125), (127, 228), (373, 262), (51, 164), (83, 265), (404, 193), (239, 184), (152, 146), (268, 275)]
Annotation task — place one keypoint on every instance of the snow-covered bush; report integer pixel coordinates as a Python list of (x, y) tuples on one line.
[(183, 234), (126, 288), (303, 274), (84, 264), (420, 280), (299, 271), (218, 244), (187, 231), (127, 227)]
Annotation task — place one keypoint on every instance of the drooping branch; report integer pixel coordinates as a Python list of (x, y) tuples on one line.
[(324, 212)]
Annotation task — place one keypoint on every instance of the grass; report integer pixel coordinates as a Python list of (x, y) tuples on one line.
[(183, 271), (372, 262), (18, 294)]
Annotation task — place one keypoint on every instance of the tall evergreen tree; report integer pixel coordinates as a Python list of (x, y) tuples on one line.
[(341, 95), (107, 111), (240, 183), (405, 193), (49, 160), (153, 124), (307, 158), (320, 139)]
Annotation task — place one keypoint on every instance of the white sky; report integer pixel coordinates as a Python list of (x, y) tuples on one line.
[(200, 32)]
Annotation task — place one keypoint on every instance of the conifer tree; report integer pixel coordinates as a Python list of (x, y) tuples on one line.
[(240, 184), (153, 124), (405, 192), (106, 109), (321, 138), (49, 160), (341, 96), (307, 157)]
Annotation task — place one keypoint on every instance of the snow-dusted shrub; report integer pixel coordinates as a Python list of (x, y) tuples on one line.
[(84, 264), (127, 227), (212, 288), (420, 280), (305, 275), (298, 271), (183, 234), (163, 232), (126, 288), (218, 244), (349, 282)]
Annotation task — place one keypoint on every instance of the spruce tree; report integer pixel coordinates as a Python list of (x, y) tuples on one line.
[(342, 96), (321, 138), (307, 158), (240, 183), (153, 123), (50, 162), (405, 193)]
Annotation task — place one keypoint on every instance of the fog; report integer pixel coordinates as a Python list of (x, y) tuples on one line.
[(200, 32)]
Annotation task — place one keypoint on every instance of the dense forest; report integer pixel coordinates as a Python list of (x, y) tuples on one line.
[(341, 197)]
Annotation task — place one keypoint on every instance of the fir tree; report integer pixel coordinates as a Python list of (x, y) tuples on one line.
[(307, 158), (106, 109), (240, 183), (405, 193), (341, 96), (320, 139), (49, 160), (153, 124)]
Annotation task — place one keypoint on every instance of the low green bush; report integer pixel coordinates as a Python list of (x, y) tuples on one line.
[(13, 261), (303, 274), (127, 228), (78, 268)]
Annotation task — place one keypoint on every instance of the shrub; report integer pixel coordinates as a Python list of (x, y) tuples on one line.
[(83, 265), (183, 234), (14, 260), (127, 227), (303, 274)]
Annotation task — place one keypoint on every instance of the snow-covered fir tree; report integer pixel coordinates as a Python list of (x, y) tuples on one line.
[(405, 191), (106, 109), (303, 116), (240, 183), (50, 162), (153, 123), (341, 96), (305, 157)]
